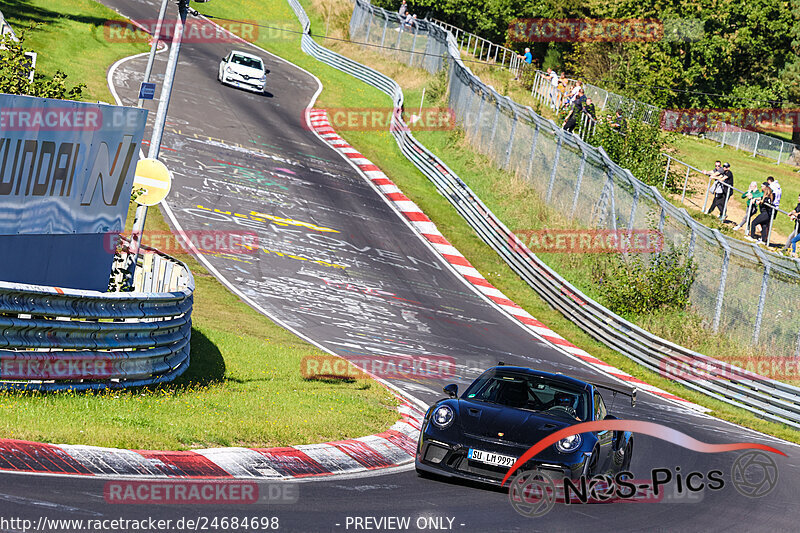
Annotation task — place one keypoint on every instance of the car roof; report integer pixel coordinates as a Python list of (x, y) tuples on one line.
[(540, 373), (246, 54)]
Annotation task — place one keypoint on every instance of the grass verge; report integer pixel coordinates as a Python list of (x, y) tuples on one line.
[(243, 387), (489, 183)]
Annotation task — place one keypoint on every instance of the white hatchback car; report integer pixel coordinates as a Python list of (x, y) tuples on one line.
[(243, 70)]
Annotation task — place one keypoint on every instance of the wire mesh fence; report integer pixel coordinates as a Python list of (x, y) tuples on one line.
[(736, 281)]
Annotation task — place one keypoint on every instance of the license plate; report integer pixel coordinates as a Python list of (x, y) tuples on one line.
[(490, 458)]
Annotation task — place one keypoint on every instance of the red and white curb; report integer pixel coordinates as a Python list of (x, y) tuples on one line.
[(318, 120), (393, 447)]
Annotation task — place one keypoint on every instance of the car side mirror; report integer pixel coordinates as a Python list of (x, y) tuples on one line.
[(451, 390)]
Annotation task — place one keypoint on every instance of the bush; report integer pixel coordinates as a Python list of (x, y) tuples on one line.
[(631, 285), (15, 69), (639, 150)]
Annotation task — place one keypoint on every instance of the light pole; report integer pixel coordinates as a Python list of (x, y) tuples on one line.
[(158, 133), (154, 46)]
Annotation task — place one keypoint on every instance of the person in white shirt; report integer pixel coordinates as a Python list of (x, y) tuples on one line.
[(776, 188), (554, 89)]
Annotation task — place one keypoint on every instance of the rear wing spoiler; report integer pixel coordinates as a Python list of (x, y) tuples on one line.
[(618, 388)]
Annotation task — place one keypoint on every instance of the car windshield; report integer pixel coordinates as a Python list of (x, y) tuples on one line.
[(247, 61), (533, 393)]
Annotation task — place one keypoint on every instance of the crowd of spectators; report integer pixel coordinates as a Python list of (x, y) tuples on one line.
[(762, 205), (409, 21)]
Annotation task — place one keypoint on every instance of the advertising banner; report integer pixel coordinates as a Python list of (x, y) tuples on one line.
[(66, 172)]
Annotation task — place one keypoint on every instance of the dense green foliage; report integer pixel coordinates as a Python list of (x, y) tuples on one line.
[(740, 53), (638, 149), (632, 285), (15, 71)]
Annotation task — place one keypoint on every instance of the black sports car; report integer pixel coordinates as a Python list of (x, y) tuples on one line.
[(507, 410)]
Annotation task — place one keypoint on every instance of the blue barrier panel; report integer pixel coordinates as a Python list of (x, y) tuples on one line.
[(66, 173)]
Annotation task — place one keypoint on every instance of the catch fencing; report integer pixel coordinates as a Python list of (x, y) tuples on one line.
[(763, 396), (55, 338)]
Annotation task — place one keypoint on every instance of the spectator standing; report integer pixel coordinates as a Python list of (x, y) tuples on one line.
[(589, 109), (403, 10), (794, 214), (765, 215), (717, 169), (752, 194), (554, 89), (562, 88), (577, 108), (776, 188), (722, 190), (527, 59), (618, 122)]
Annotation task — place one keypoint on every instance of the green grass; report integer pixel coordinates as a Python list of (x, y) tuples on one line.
[(243, 388), (69, 35), (491, 185), (244, 385)]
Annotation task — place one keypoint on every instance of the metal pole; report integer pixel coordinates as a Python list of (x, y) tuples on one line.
[(385, 25), (771, 223), (511, 138), (555, 168), (666, 173), (707, 190), (154, 46), (685, 183), (533, 149), (158, 131), (777, 162), (578, 184), (762, 299), (722, 280)]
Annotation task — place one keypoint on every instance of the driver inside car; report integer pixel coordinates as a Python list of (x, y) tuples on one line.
[(565, 401)]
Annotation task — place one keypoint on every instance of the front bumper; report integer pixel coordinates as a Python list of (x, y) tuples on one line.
[(250, 85), (450, 460)]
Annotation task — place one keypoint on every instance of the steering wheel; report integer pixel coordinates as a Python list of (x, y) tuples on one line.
[(566, 408)]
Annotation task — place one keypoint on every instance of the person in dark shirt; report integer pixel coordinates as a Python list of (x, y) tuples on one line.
[(764, 217), (618, 122), (722, 191), (575, 112), (795, 236), (589, 109)]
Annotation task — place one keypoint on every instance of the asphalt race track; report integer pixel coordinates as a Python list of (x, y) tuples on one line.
[(338, 264)]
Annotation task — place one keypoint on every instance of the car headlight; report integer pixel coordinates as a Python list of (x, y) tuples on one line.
[(443, 416), (263, 78), (569, 444), (228, 69)]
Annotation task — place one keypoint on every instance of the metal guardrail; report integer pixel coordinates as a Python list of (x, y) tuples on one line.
[(468, 43), (764, 397), (6, 29), (53, 338)]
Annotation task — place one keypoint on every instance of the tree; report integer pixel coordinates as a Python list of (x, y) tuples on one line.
[(15, 75)]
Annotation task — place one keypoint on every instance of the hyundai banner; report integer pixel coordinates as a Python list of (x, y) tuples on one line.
[(66, 173)]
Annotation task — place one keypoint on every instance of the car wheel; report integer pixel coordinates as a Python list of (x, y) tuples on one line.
[(623, 457), (590, 466)]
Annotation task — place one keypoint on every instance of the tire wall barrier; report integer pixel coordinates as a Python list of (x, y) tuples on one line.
[(53, 338)]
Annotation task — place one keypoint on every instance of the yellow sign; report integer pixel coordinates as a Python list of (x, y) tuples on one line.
[(154, 178)]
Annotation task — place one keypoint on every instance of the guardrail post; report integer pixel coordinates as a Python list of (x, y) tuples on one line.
[(533, 146), (511, 138), (478, 118), (385, 25), (708, 188), (369, 26), (634, 203), (778, 161), (723, 278), (762, 298), (685, 183), (555, 167), (666, 173), (496, 119), (413, 47), (578, 184), (399, 35), (605, 100), (755, 148), (739, 140), (724, 133)]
